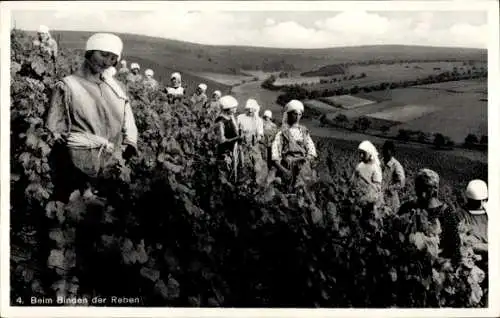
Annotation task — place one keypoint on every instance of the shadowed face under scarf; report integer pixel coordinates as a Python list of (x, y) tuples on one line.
[(98, 61)]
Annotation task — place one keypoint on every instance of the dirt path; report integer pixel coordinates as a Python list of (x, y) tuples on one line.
[(267, 100)]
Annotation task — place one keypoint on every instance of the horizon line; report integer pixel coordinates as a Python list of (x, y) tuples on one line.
[(266, 47)]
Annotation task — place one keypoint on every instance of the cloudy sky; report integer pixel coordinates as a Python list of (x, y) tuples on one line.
[(287, 29)]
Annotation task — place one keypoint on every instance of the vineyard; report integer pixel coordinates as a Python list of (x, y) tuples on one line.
[(168, 228)]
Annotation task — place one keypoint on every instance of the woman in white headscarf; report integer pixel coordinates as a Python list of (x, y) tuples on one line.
[(200, 95), (149, 81), (251, 127), (228, 136), (367, 177), (45, 42), (175, 88), (293, 149), (250, 123), (270, 130), (134, 76), (90, 118)]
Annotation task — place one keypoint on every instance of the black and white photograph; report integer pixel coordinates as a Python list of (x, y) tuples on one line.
[(249, 155)]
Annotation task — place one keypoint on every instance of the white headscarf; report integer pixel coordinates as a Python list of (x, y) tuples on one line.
[(252, 104), (293, 105), (268, 114), (106, 42), (228, 102), (43, 29), (177, 76), (369, 148), (203, 87)]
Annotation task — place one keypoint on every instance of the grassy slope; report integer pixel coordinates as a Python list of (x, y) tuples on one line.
[(230, 59), (190, 81)]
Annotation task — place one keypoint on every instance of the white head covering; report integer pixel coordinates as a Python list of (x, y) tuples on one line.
[(218, 93), (135, 66), (252, 104), (105, 42), (123, 62), (371, 150), (43, 29), (149, 72), (477, 190), (268, 113), (203, 87), (228, 102), (293, 105), (176, 75)]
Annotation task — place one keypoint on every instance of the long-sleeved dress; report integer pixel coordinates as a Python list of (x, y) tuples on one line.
[(97, 119)]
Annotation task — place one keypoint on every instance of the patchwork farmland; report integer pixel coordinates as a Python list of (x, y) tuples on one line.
[(365, 75), (347, 101), (436, 108)]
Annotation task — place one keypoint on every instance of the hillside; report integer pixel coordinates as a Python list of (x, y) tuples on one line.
[(190, 81), (231, 59)]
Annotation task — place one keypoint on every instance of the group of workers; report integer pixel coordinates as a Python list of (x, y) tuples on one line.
[(175, 90), (383, 181), (91, 119)]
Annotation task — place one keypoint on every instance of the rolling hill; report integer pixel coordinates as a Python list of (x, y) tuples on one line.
[(192, 57)]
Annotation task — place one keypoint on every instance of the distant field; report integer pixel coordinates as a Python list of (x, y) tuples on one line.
[(261, 75), (226, 79), (459, 86), (454, 114), (348, 101), (297, 80), (376, 74), (404, 113), (320, 106)]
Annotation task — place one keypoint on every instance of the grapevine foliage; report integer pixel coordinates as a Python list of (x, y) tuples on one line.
[(176, 232)]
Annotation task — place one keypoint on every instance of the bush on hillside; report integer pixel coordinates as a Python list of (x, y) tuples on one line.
[(362, 124), (158, 234), (403, 135), (341, 118), (439, 140), (384, 129), (484, 140), (471, 140)]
